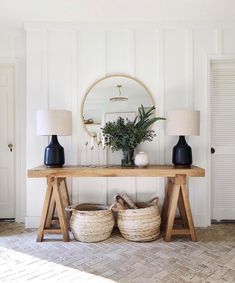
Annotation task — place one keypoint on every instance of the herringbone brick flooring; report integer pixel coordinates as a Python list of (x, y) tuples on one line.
[(211, 259)]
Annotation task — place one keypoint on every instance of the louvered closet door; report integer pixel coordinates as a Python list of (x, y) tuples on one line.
[(223, 140)]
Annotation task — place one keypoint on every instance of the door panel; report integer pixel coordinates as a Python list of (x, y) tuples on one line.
[(7, 203), (3, 120), (224, 170), (4, 184), (223, 140)]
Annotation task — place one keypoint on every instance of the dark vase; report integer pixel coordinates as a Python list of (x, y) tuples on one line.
[(128, 158)]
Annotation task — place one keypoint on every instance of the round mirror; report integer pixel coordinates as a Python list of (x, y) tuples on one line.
[(112, 97)]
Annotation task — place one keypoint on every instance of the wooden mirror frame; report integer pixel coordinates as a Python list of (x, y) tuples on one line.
[(108, 77)]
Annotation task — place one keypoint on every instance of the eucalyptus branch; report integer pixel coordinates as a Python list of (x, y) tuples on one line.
[(125, 134)]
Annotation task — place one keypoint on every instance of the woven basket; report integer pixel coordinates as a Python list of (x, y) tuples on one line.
[(91, 222), (140, 225)]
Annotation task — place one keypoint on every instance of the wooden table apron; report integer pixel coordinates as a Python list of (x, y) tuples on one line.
[(176, 194)]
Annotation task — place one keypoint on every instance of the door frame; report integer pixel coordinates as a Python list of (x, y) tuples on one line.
[(19, 143), (210, 59)]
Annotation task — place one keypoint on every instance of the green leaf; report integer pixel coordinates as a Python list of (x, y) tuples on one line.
[(125, 134)]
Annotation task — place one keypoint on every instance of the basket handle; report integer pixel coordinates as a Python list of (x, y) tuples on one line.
[(155, 201), (111, 206), (70, 207), (118, 201), (115, 198)]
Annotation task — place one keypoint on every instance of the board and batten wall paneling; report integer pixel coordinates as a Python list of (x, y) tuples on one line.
[(120, 185), (59, 82), (119, 51), (147, 44), (172, 64), (146, 71), (59, 75), (36, 99), (91, 62), (120, 58), (148, 188), (91, 67), (175, 75)]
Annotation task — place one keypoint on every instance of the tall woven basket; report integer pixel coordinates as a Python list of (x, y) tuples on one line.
[(91, 222), (142, 224)]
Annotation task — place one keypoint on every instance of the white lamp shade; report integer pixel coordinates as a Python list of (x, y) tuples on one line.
[(54, 122), (183, 123)]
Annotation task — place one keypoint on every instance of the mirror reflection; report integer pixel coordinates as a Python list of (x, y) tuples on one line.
[(112, 97)]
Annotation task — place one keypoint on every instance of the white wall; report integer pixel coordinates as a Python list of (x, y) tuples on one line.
[(64, 60), (164, 43), (15, 12)]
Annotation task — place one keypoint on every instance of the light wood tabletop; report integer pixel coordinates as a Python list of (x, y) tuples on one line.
[(115, 171)]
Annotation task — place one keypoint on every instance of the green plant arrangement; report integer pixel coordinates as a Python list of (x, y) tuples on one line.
[(125, 135)]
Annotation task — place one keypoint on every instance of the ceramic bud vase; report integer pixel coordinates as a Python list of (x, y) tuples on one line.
[(141, 159), (128, 158)]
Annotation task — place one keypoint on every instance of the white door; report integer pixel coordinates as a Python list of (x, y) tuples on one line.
[(7, 200), (223, 140)]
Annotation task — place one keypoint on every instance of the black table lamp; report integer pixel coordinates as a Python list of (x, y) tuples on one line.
[(183, 123), (53, 123)]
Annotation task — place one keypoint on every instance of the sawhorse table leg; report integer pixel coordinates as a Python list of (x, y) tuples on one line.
[(176, 194), (56, 198)]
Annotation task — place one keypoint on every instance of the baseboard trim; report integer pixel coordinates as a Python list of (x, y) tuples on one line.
[(32, 221), (201, 220), (223, 213)]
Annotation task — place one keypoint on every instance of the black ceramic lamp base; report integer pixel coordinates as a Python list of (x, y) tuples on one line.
[(182, 154), (54, 154)]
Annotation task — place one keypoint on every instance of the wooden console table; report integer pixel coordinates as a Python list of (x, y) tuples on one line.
[(176, 193)]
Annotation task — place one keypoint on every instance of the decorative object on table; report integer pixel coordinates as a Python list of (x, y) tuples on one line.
[(120, 97), (53, 123), (128, 158), (93, 143), (103, 142), (92, 151), (91, 222), (141, 159), (183, 123), (125, 135), (98, 141), (86, 144), (141, 222)]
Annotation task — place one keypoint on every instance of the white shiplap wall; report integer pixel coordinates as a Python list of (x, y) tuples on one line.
[(64, 60)]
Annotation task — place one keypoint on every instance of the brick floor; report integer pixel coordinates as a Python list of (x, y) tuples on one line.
[(211, 259)]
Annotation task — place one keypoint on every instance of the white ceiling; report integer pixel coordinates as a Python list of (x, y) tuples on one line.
[(14, 12)]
